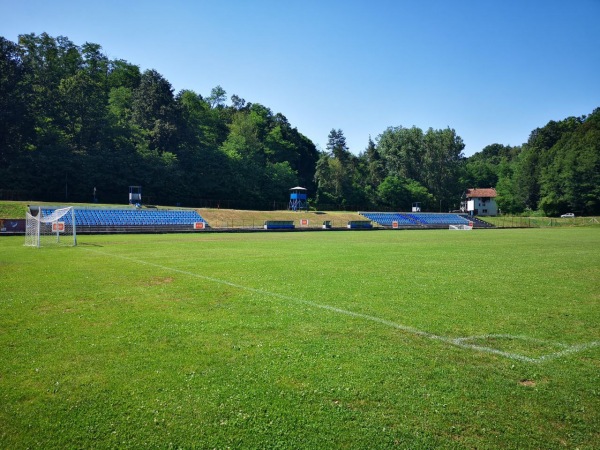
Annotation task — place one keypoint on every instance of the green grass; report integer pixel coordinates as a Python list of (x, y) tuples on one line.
[(12, 210), (289, 340)]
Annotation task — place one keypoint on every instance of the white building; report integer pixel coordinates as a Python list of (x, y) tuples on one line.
[(480, 202)]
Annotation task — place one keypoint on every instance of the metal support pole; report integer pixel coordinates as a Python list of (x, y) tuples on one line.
[(74, 227)]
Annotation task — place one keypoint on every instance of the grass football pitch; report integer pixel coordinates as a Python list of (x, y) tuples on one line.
[(386, 339)]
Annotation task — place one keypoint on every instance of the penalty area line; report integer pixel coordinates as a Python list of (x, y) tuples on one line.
[(461, 342), (569, 351)]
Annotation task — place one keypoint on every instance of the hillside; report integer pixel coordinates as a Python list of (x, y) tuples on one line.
[(233, 218)]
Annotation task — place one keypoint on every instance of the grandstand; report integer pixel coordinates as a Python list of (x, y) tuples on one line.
[(416, 219), (91, 220), (387, 219), (131, 220)]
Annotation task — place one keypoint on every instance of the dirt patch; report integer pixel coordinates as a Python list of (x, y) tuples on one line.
[(527, 383), (159, 281)]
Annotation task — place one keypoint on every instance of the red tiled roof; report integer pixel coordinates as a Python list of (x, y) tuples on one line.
[(488, 192)]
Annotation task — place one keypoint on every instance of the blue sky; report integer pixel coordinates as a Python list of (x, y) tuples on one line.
[(491, 70)]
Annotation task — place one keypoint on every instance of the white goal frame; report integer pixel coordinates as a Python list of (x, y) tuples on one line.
[(53, 229), (460, 227)]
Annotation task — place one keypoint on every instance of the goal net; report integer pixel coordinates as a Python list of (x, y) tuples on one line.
[(53, 228), (460, 227)]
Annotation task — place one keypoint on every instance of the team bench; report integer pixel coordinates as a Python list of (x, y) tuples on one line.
[(360, 224), (279, 225)]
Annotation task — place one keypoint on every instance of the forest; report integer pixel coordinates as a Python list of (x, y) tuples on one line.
[(76, 126)]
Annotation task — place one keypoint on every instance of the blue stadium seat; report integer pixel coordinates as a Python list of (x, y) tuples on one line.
[(415, 219), (130, 217)]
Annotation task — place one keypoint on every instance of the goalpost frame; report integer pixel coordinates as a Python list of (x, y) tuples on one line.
[(461, 227), (73, 224), (40, 226)]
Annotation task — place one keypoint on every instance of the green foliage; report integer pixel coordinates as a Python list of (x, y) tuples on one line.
[(16, 121), (336, 146), (482, 170), (556, 171), (569, 182), (72, 120), (401, 150), (218, 97), (398, 194), (432, 159)]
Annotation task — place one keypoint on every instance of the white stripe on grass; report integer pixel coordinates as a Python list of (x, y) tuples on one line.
[(462, 342)]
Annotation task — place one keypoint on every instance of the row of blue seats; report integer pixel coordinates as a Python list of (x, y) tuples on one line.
[(124, 217), (387, 219), (439, 218), (407, 219)]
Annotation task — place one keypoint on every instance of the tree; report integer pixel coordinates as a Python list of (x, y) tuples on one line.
[(237, 102), (217, 97), (95, 63), (398, 194), (481, 169), (570, 179), (374, 165), (153, 110), (442, 163), (506, 188), (433, 159), (16, 119), (71, 118), (328, 178), (123, 74), (336, 145), (337, 175), (536, 157), (401, 150)]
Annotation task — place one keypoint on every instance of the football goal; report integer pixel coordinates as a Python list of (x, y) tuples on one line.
[(460, 227), (53, 228)]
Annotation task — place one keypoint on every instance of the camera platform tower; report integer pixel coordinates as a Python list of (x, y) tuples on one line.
[(298, 199)]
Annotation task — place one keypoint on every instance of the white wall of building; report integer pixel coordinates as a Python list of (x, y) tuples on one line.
[(483, 206)]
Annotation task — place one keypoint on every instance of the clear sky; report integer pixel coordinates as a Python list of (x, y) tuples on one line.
[(491, 70)]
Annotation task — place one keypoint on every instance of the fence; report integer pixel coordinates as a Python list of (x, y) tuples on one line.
[(541, 222)]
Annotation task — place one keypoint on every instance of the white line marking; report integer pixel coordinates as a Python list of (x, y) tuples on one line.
[(461, 342), (569, 351), (511, 337)]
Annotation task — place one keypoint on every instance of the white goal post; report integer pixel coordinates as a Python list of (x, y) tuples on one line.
[(460, 227), (56, 228)]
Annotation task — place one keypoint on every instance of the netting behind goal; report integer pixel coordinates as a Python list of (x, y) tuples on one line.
[(56, 228)]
